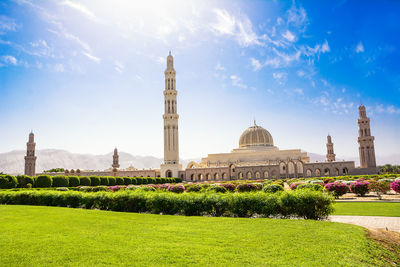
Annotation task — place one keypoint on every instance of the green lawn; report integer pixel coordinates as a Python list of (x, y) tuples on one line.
[(367, 208), (40, 236)]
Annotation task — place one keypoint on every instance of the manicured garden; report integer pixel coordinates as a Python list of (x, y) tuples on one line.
[(41, 236), (367, 209)]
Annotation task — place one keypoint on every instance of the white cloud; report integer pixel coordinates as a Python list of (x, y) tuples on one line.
[(8, 61), (289, 36), (299, 91), (297, 17), (255, 64), (81, 8), (119, 67), (91, 57), (280, 77), (359, 48), (7, 25), (239, 27), (219, 67), (237, 81)]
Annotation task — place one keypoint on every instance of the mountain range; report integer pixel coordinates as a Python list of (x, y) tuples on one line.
[(13, 162)]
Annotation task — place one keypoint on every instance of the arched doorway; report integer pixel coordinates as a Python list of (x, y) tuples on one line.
[(168, 173)]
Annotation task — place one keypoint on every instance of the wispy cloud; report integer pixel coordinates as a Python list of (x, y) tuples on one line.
[(7, 24), (81, 8), (239, 27), (119, 67), (8, 60), (255, 64), (91, 57), (289, 36), (219, 67), (237, 81), (280, 77), (359, 48)]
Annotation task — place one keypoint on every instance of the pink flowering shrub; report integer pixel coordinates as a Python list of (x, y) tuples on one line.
[(176, 188), (360, 188), (246, 187), (115, 188), (395, 185), (229, 187), (294, 186), (337, 189)]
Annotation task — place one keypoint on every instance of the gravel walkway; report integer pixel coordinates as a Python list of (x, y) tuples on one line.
[(374, 222)]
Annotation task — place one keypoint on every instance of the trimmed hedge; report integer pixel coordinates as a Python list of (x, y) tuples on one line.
[(272, 188), (111, 180), (300, 203), (119, 181), (8, 181), (43, 181), (104, 180), (310, 186), (84, 181), (60, 181), (94, 180), (74, 181), (24, 180)]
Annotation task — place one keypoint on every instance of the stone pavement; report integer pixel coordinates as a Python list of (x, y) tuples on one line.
[(373, 222)]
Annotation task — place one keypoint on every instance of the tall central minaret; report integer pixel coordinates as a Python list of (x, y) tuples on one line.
[(330, 155), (30, 158), (365, 140), (171, 165)]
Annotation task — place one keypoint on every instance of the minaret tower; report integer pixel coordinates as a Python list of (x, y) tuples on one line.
[(330, 155), (365, 140), (115, 164), (30, 158), (171, 165)]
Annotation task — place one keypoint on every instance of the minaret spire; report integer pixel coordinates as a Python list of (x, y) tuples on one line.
[(30, 158), (365, 140), (171, 165), (330, 155)]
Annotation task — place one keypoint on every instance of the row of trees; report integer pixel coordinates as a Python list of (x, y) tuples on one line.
[(389, 168)]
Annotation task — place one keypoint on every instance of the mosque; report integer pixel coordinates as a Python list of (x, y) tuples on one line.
[(255, 158)]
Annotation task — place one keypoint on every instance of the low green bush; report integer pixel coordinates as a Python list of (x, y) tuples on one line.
[(119, 181), (193, 188), (8, 181), (111, 180), (84, 181), (104, 180), (94, 180), (217, 189), (272, 188), (43, 181), (60, 181), (73, 181), (316, 187), (23, 180), (127, 180), (307, 204)]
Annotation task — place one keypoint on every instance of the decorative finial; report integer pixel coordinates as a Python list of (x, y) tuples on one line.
[(255, 122), (169, 52)]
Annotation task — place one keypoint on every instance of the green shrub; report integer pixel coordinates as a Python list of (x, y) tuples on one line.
[(94, 180), (119, 181), (272, 188), (300, 203), (43, 181), (217, 189), (193, 188), (29, 185), (316, 187), (84, 181), (104, 180), (60, 181), (23, 180), (8, 181), (111, 180), (127, 180), (73, 181)]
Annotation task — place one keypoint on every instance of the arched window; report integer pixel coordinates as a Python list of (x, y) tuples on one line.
[(192, 177), (266, 174), (240, 175), (258, 175), (327, 172), (224, 176), (317, 172), (248, 175), (216, 176), (309, 173), (200, 176), (208, 177)]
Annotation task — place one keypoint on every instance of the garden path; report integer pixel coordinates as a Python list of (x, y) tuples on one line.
[(374, 222)]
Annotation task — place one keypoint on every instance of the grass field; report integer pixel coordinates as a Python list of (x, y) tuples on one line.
[(40, 236), (367, 209)]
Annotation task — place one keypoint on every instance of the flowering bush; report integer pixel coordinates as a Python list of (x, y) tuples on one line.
[(246, 187), (294, 186), (315, 187), (272, 188), (360, 188), (379, 188), (115, 188), (228, 186), (395, 186), (337, 189), (176, 188)]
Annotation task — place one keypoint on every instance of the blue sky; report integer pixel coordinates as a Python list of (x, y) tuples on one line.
[(87, 76)]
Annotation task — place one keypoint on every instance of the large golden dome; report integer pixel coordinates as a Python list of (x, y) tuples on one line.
[(255, 136)]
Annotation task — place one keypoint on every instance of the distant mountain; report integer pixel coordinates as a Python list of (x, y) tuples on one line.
[(13, 161)]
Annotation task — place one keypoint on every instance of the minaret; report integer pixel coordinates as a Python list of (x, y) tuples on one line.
[(30, 158), (365, 140), (330, 155), (171, 165), (115, 164)]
